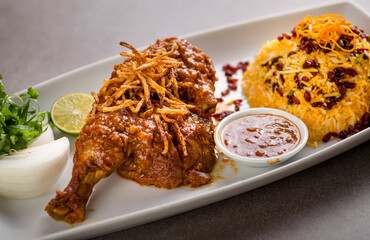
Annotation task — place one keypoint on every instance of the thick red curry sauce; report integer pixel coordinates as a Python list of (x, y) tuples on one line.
[(261, 135)]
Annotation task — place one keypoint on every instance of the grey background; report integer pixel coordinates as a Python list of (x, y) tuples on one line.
[(41, 39)]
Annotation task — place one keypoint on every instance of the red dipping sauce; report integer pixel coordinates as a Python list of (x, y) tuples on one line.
[(261, 136)]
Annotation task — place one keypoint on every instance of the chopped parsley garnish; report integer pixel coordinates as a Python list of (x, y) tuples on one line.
[(20, 119)]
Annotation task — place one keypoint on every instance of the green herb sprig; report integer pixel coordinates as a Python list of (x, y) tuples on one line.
[(20, 119)]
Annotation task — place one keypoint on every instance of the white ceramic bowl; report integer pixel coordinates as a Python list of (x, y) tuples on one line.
[(254, 161)]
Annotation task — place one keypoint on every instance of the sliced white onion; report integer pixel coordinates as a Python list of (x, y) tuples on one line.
[(44, 138), (33, 171)]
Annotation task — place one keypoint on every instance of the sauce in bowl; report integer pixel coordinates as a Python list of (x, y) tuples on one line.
[(260, 136)]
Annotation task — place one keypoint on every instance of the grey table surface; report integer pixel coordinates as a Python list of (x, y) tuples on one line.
[(41, 39)]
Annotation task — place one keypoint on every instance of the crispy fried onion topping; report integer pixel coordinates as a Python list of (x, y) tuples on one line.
[(146, 83)]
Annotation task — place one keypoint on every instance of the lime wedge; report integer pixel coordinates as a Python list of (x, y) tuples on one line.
[(68, 113)]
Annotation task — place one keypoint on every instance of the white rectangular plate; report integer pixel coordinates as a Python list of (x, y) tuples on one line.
[(118, 203)]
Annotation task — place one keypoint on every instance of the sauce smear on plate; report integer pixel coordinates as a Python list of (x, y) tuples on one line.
[(261, 135)]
